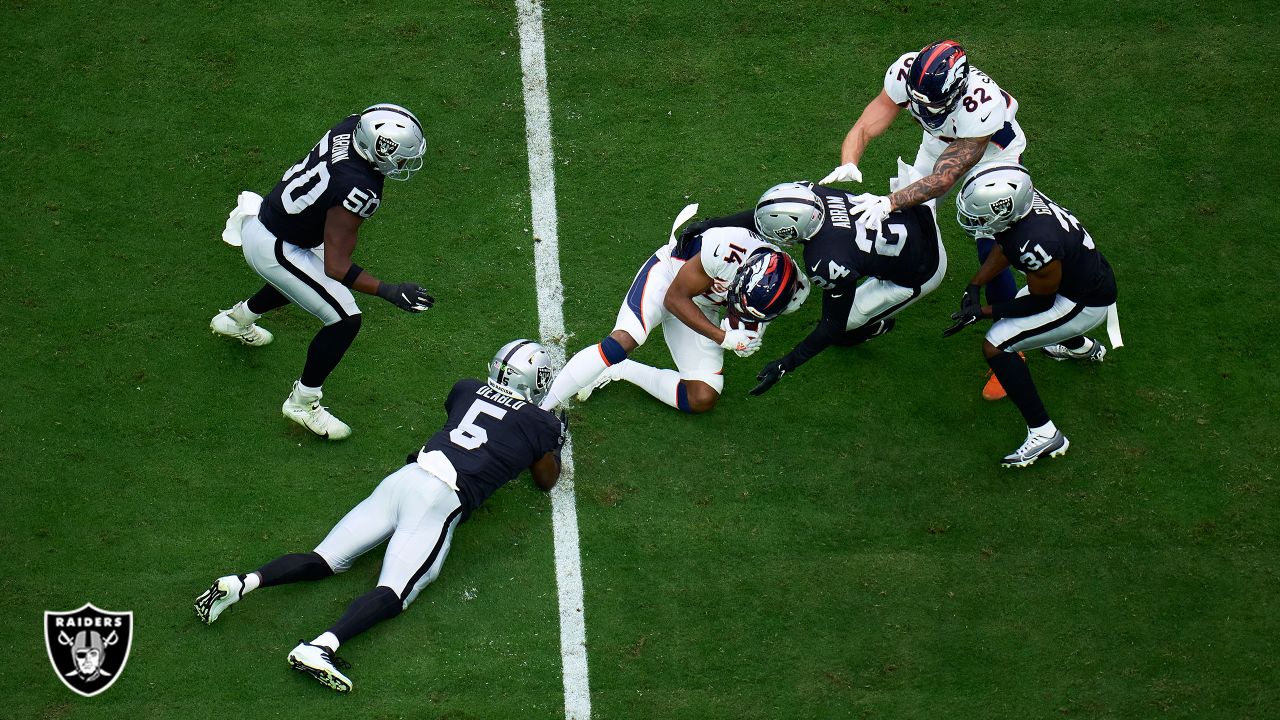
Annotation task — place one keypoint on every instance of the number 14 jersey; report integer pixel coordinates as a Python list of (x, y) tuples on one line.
[(333, 173), (490, 438)]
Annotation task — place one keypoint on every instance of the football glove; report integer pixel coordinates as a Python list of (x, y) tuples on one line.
[(563, 415), (845, 173), (740, 341), (406, 296), (873, 209), (970, 311), (769, 377)]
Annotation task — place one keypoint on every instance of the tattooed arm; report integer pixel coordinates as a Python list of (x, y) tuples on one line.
[(953, 163)]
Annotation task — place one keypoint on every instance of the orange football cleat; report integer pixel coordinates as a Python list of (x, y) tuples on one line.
[(993, 390)]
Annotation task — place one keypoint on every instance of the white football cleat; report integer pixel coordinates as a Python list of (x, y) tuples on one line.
[(222, 594), (1036, 447), (251, 334), (1092, 351), (318, 662), (310, 414), (609, 375)]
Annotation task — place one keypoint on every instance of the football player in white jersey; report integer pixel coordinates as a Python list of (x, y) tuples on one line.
[(682, 287), (965, 118)]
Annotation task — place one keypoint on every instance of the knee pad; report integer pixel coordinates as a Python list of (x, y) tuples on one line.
[(349, 324)]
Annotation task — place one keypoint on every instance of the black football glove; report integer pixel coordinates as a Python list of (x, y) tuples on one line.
[(692, 230), (769, 377), (406, 296), (564, 424), (970, 310)]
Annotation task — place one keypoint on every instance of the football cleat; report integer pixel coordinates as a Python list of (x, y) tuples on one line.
[(1094, 351), (320, 663), (1035, 447), (609, 375), (310, 414), (251, 334), (222, 594)]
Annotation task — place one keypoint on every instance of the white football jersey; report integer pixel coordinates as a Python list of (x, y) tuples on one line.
[(984, 109), (724, 250)]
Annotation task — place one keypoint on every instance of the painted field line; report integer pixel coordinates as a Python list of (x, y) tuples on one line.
[(546, 255)]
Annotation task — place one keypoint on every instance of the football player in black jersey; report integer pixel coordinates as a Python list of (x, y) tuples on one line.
[(494, 432), (868, 275), (1070, 290), (300, 240)]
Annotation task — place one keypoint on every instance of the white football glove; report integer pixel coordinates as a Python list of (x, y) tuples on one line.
[(740, 341), (847, 172), (754, 333), (872, 208)]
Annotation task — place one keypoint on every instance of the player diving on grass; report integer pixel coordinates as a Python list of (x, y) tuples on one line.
[(1070, 290), (494, 431), (682, 288), (868, 273)]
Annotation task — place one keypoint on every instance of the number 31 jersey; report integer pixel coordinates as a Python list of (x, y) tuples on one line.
[(1050, 232), (333, 173), (490, 438)]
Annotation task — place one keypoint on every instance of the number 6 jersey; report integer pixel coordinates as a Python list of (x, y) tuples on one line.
[(333, 173), (490, 438)]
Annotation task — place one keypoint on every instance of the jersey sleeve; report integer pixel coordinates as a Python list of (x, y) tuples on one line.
[(895, 78), (459, 388), (983, 110), (724, 250), (357, 191)]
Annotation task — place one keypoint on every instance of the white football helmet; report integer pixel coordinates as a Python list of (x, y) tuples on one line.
[(789, 212), (994, 196), (390, 138), (521, 369)]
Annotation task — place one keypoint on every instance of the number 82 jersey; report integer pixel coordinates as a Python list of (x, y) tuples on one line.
[(490, 438), (332, 174)]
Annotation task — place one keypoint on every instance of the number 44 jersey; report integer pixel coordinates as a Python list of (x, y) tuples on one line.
[(332, 174), (490, 438)]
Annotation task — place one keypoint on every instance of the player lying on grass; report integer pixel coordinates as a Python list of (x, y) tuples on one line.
[(682, 287), (300, 239), (494, 431), (1070, 290), (868, 274)]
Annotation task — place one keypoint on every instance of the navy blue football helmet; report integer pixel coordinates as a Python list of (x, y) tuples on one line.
[(936, 81), (763, 287)]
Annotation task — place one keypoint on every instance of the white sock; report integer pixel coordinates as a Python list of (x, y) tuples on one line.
[(582, 370), (658, 382), (328, 640), (241, 314), (251, 583), (1046, 430), (303, 394)]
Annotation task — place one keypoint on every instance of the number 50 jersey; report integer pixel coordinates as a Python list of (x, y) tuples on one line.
[(333, 173), (490, 438)]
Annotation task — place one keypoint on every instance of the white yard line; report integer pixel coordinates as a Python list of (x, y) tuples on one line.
[(546, 255)]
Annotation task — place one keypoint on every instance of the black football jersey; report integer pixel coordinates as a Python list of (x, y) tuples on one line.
[(333, 173), (491, 438), (903, 251), (1050, 232)]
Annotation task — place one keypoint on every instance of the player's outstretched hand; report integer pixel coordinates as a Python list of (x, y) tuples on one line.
[(769, 377), (847, 172), (409, 297), (963, 319)]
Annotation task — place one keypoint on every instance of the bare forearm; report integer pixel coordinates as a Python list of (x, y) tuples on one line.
[(953, 163), (688, 313), (876, 117)]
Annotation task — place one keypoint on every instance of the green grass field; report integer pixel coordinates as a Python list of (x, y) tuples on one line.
[(843, 547)]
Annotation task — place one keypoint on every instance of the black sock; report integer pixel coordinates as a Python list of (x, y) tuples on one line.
[(1016, 379), (371, 608), (327, 349), (294, 568), (1074, 343), (266, 300)]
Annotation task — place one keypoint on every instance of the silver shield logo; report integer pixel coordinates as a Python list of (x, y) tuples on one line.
[(88, 647)]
